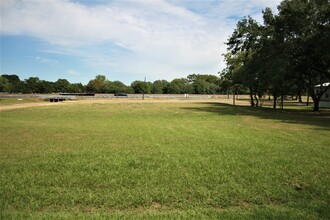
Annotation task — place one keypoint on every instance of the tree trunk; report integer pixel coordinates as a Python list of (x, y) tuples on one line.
[(257, 101), (252, 101), (275, 100), (316, 100), (308, 98), (299, 97), (282, 101), (316, 105), (234, 96), (261, 100)]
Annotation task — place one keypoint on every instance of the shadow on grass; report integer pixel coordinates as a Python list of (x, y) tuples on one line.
[(321, 119)]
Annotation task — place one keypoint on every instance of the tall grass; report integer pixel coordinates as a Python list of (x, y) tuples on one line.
[(163, 160)]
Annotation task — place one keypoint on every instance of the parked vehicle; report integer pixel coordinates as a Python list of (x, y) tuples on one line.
[(121, 94)]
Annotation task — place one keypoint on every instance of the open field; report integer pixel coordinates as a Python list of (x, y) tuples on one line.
[(157, 159), (16, 101)]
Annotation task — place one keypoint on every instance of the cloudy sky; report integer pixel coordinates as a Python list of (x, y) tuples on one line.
[(124, 40)]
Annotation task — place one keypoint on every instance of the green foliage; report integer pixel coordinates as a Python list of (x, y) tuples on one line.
[(141, 87), (35, 85), (115, 87), (62, 85), (4, 84), (243, 61), (306, 29), (179, 86), (204, 84), (289, 52), (194, 83), (96, 85), (12, 84), (101, 85), (77, 88), (138, 160), (159, 86)]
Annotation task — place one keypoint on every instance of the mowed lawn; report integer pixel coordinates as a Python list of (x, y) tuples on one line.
[(156, 160), (14, 101)]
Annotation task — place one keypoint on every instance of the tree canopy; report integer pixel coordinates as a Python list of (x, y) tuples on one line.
[(287, 54), (194, 83)]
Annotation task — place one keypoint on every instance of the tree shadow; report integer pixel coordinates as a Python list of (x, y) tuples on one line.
[(320, 120)]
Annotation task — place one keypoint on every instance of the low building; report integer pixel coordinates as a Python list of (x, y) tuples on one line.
[(325, 98)]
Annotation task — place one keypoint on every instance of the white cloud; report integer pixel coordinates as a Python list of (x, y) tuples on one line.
[(46, 60), (158, 37), (72, 72)]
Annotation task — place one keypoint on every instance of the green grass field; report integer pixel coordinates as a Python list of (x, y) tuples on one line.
[(180, 160), (13, 101)]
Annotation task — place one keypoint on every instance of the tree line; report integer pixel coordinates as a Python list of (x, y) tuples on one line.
[(288, 54), (192, 84)]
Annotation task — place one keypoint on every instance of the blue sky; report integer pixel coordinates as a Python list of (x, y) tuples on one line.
[(123, 40)]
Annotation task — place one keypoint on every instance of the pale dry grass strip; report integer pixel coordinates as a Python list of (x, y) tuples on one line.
[(120, 100)]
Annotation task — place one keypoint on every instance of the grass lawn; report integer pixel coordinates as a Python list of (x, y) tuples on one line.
[(13, 101), (154, 160)]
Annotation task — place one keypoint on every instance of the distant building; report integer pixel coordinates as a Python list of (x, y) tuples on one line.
[(325, 99)]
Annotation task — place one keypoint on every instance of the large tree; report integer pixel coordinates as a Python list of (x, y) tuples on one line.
[(242, 57), (62, 85), (97, 84), (13, 83), (141, 87), (288, 51), (4, 84), (305, 27), (179, 86), (204, 83), (159, 86)]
